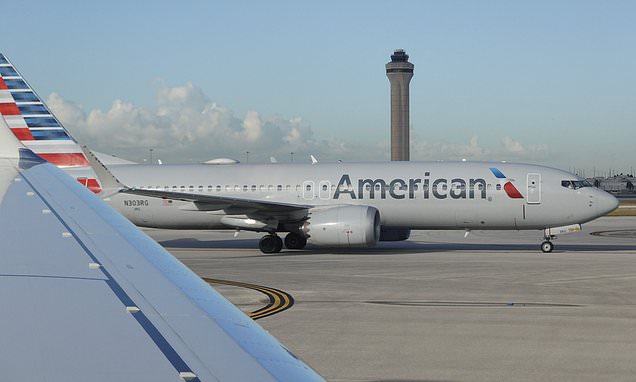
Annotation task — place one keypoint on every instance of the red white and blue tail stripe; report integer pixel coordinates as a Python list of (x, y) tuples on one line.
[(38, 129)]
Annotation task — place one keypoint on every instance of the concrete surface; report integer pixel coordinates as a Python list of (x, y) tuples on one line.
[(439, 307)]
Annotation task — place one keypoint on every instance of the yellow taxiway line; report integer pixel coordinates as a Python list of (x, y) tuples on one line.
[(278, 300)]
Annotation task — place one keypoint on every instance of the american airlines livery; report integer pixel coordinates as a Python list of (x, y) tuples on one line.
[(325, 204)]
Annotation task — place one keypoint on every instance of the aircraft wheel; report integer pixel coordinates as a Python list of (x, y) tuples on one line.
[(270, 244), (295, 241), (547, 246)]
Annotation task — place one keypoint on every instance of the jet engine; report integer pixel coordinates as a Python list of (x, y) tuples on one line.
[(343, 226)]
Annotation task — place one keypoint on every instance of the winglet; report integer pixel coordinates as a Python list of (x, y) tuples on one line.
[(9, 145), (106, 178), (313, 159)]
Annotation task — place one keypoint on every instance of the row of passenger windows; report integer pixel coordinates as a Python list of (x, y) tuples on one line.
[(219, 188), (307, 186)]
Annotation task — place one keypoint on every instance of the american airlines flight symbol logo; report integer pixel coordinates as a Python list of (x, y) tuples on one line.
[(510, 188)]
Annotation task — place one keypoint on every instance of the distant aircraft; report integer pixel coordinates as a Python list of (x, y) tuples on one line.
[(328, 204), (87, 296)]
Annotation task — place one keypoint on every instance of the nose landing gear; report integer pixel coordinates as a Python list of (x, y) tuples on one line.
[(547, 246)]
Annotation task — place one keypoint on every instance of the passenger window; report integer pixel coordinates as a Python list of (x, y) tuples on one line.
[(279, 188), (218, 188), (245, 188), (253, 187)]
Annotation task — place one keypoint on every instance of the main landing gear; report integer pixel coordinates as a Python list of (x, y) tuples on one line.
[(272, 243)]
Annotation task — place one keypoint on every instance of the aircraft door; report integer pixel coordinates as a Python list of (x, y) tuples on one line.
[(534, 188)]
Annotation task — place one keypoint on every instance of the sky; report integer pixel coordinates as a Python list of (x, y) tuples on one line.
[(549, 82)]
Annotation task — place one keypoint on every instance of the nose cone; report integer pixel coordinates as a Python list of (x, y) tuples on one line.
[(605, 203)]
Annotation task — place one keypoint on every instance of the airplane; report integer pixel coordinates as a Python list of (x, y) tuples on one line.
[(87, 296), (325, 204)]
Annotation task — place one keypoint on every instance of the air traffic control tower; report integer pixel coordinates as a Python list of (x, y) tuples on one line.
[(400, 72)]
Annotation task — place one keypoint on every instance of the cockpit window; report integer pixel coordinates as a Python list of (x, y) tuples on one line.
[(575, 184)]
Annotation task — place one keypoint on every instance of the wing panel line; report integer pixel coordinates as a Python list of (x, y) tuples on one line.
[(164, 346)]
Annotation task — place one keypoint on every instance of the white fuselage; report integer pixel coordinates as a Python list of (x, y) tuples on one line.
[(417, 195)]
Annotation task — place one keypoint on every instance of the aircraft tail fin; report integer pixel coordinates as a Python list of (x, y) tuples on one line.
[(38, 129)]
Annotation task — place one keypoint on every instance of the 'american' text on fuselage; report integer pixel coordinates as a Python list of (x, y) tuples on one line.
[(410, 188)]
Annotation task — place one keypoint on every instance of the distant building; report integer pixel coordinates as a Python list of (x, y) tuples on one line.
[(619, 184)]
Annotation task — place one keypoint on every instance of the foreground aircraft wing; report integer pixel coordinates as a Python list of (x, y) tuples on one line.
[(86, 296)]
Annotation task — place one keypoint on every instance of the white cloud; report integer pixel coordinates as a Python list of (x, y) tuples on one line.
[(512, 146), (185, 126), (515, 150)]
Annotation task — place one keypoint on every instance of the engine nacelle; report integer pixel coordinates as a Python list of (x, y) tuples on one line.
[(343, 226)]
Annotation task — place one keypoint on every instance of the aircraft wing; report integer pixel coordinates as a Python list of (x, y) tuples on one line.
[(209, 202), (86, 296)]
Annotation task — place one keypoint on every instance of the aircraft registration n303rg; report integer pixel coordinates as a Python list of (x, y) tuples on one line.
[(325, 204)]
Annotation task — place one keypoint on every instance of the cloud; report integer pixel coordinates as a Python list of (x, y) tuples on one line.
[(184, 125), (512, 146), (516, 150)]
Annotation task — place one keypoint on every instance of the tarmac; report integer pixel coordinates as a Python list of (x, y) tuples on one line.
[(440, 307)]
